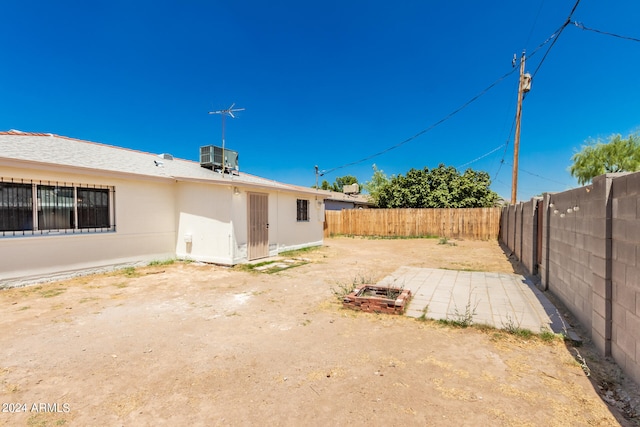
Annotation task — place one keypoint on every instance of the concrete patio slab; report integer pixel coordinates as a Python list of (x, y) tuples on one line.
[(497, 299)]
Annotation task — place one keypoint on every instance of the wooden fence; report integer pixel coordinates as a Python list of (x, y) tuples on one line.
[(476, 223)]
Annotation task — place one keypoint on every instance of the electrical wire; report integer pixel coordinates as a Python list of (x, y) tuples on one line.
[(482, 157), (506, 146), (582, 27), (535, 21), (567, 22), (540, 176), (422, 132), (553, 38)]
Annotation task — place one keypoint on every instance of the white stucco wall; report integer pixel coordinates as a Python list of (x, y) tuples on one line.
[(292, 234), (285, 232), (204, 213), (152, 219), (145, 231)]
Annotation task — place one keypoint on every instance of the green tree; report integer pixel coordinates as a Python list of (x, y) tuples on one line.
[(339, 183), (442, 187), (325, 185), (597, 158), (378, 181)]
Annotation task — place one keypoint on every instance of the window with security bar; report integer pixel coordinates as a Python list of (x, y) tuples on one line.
[(16, 207), (93, 208), (29, 208), (302, 210), (56, 210)]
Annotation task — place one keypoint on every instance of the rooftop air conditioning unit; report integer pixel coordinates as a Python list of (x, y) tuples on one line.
[(351, 189), (211, 157)]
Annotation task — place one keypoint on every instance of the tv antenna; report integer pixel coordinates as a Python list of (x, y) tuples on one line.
[(229, 111)]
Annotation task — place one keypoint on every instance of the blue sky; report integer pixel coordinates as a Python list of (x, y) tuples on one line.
[(325, 83)]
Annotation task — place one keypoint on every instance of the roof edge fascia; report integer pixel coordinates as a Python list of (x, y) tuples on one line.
[(30, 164), (286, 188)]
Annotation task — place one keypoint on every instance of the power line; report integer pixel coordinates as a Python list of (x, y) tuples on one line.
[(422, 132), (541, 177), (535, 21), (506, 146), (483, 156), (553, 38), (557, 36), (582, 27)]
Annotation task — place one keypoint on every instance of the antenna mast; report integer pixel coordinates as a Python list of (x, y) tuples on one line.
[(229, 111)]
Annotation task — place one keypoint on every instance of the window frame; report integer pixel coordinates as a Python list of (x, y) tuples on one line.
[(302, 210), (92, 214), (16, 206), (57, 208)]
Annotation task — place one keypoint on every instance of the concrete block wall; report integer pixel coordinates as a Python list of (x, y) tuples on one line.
[(512, 228), (625, 273), (517, 249), (503, 235), (576, 255), (508, 227), (591, 259), (518, 232), (529, 230)]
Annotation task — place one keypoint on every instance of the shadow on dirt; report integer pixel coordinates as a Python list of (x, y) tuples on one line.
[(621, 395), (510, 256)]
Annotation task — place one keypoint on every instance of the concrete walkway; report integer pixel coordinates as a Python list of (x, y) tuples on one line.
[(497, 299)]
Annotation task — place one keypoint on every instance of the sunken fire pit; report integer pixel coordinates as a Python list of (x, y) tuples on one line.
[(378, 299)]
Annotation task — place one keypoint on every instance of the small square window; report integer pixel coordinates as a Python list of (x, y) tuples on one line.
[(302, 210)]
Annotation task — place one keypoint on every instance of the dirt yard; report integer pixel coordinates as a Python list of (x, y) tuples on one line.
[(198, 345)]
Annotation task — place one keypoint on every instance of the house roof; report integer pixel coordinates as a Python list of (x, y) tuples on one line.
[(358, 199), (49, 150)]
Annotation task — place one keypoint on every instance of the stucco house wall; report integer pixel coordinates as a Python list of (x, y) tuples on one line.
[(204, 214), (292, 233), (161, 208), (144, 230)]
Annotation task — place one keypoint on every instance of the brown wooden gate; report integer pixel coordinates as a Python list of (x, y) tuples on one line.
[(258, 221)]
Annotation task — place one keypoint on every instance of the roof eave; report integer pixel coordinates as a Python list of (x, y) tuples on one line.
[(18, 163), (253, 185)]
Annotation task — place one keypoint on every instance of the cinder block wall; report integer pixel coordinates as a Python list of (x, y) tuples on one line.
[(625, 273), (529, 230), (507, 226), (512, 228), (503, 236), (518, 232), (591, 259), (517, 249), (576, 252)]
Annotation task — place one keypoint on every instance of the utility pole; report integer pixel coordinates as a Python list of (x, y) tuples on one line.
[(523, 87)]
